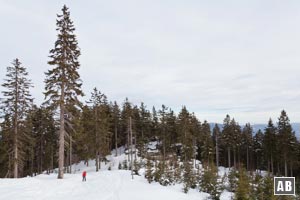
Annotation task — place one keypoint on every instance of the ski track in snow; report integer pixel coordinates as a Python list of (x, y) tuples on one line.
[(105, 185)]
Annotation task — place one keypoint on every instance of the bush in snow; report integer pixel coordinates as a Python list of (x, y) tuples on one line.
[(136, 167), (149, 171), (177, 172), (125, 165), (189, 180), (159, 170), (265, 189), (210, 182), (120, 166), (243, 186), (167, 177), (232, 179), (256, 186)]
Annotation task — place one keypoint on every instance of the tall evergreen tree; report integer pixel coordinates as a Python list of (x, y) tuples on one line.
[(63, 84), (185, 134), (16, 103), (207, 149), (6, 141), (258, 149), (227, 138), (43, 131), (101, 125), (269, 145), (144, 126), (116, 123), (126, 113), (247, 142), (285, 135), (163, 129), (243, 186), (236, 140), (216, 139), (155, 123)]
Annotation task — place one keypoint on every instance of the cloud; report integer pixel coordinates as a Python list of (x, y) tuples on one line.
[(240, 58)]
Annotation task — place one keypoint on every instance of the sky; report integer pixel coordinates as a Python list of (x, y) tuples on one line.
[(240, 58)]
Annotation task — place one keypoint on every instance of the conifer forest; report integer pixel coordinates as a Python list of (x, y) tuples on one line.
[(164, 146)]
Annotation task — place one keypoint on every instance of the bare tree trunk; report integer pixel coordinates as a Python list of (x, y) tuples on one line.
[(16, 140), (97, 161), (239, 157), (285, 166), (234, 158), (164, 143), (41, 158), (97, 139), (116, 139), (131, 161), (229, 160), (272, 164), (128, 141), (32, 162), (142, 147), (135, 151), (291, 168), (247, 158), (16, 149), (70, 154), (217, 151), (52, 159), (61, 136)]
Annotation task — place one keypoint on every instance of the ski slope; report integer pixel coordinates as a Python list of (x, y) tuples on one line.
[(105, 185)]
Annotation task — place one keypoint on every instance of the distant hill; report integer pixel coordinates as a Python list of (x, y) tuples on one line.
[(256, 127)]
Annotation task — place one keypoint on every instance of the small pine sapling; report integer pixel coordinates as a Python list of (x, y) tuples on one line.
[(149, 171)]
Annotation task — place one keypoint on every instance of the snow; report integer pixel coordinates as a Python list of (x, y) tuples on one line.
[(105, 185)]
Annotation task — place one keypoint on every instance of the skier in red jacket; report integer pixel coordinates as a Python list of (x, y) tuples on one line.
[(84, 176)]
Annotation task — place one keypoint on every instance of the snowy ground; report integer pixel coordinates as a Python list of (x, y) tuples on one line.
[(105, 185)]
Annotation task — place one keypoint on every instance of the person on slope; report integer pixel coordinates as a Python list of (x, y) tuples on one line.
[(84, 176)]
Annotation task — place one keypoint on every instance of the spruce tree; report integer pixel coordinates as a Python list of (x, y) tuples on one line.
[(16, 104), (210, 183), (286, 139), (258, 149), (155, 123), (63, 84), (243, 186), (233, 179), (116, 123), (207, 149), (268, 188), (189, 179), (85, 137), (247, 142), (126, 113), (185, 134), (43, 131), (145, 128), (163, 129), (216, 139), (6, 141), (269, 146), (101, 122), (236, 140), (227, 138), (149, 171)]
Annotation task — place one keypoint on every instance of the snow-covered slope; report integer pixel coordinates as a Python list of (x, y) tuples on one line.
[(105, 185)]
